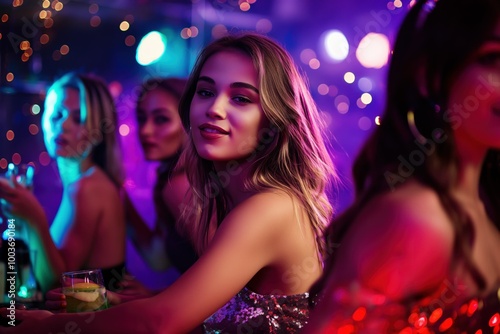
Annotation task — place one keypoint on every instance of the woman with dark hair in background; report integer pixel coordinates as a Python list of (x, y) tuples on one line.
[(162, 138)]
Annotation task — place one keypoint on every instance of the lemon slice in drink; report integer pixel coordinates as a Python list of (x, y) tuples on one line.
[(84, 291)]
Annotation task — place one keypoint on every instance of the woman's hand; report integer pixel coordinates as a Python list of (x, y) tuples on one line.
[(55, 300), (21, 203), (131, 288)]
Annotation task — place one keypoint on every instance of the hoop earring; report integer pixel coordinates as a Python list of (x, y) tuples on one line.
[(410, 116)]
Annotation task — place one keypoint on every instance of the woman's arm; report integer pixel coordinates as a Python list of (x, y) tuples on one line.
[(246, 242), (31, 218)]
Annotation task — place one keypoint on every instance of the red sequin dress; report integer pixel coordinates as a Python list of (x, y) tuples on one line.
[(445, 312)]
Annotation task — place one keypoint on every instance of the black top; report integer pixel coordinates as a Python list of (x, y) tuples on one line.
[(179, 248), (113, 276)]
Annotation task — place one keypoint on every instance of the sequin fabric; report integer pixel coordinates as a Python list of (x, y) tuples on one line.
[(249, 312), (441, 314)]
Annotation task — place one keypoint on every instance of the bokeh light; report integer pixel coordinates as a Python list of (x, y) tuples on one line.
[(365, 123), (219, 30), (33, 129), (245, 6), (366, 98), (44, 158), (95, 21), (365, 84), (44, 39), (264, 26), (64, 49), (360, 104), (124, 130), (190, 32), (48, 23), (129, 40), (306, 55), (151, 48), (323, 89), (16, 158), (124, 26), (93, 8), (24, 45), (336, 45), (10, 135), (58, 6), (349, 77), (115, 88), (373, 50), (342, 104), (314, 64)]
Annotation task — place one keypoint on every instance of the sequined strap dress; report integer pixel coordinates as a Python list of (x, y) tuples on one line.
[(250, 312)]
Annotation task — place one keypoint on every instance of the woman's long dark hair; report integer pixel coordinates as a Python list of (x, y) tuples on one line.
[(415, 139)]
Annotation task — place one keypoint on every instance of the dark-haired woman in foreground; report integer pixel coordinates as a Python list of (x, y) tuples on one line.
[(419, 250)]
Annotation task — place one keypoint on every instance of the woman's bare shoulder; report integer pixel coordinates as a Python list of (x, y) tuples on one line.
[(272, 211), (270, 201), (406, 230), (94, 184), (410, 204)]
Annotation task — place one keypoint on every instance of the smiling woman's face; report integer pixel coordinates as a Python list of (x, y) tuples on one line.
[(226, 115)]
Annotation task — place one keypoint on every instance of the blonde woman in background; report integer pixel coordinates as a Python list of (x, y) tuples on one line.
[(79, 124)]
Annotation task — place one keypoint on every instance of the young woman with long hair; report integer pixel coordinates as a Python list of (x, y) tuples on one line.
[(419, 249), (258, 168)]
